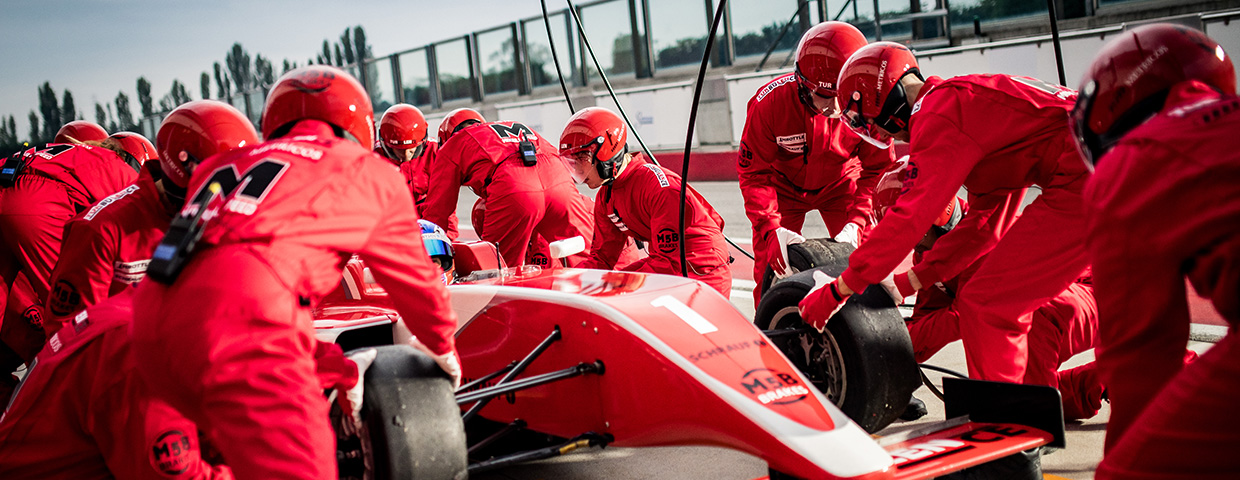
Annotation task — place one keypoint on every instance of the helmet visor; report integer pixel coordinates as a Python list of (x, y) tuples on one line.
[(862, 126), (1078, 121), (580, 160)]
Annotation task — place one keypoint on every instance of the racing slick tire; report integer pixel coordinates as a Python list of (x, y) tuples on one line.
[(410, 420), (863, 362), (812, 253)]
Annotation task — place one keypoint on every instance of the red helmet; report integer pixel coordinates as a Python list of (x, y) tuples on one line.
[(323, 93), (593, 136), (823, 50), (456, 120), (136, 146), (1129, 80), (871, 93), (403, 126), (197, 130), (81, 131), (891, 185)]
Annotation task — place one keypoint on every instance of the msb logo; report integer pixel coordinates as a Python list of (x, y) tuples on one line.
[(172, 453), (772, 387), (667, 240)]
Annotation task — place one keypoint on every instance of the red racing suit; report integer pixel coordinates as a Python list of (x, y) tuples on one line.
[(107, 248), (521, 200), (791, 162), (1161, 205), (1063, 327), (230, 343), (643, 202), (417, 174), (84, 413), (539, 252), (996, 135), (57, 183)]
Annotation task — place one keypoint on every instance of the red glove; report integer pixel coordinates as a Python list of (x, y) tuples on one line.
[(820, 304), (775, 248)]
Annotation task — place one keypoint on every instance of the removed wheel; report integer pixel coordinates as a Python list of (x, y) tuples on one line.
[(863, 362), (810, 254), (412, 425)]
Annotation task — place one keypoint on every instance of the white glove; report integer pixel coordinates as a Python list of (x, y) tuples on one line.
[(351, 399), (448, 361), (848, 234), (785, 237), (889, 286)]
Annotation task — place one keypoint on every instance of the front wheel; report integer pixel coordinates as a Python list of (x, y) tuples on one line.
[(411, 424), (863, 361)]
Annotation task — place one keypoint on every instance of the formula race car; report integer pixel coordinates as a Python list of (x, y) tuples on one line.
[(560, 359)]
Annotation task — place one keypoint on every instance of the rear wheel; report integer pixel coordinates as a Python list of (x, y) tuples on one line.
[(411, 423), (863, 361)]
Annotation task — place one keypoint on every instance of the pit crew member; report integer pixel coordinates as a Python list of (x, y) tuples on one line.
[(997, 135), (641, 200), (1157, 118), (402, 139), (516, 172), (79, 131), (222, 326), (83, 412), (797, 156), (107, 248)]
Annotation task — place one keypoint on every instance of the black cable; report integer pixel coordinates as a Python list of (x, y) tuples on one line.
[(572, 9), (697, 95), (556, 58), (1050, 10), (948, 371)]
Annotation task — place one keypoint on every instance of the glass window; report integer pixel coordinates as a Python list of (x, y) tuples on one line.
[(538, 50), (757, 23), (611, 35), (380, 84), (452, 58), (237, 100), (416, 77), (256, 99), (678, 29), (963, 11), (496, 49)]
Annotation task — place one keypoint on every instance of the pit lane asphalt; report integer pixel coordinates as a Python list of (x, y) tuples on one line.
[(1077, 462)]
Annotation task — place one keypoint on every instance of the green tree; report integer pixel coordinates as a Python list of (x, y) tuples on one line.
[(124, 116), (288, 66), (223, 86), (204, 85), (50, 108), (101, 116), (325, 58), (68, 111), (174, 98), (347, 41), (35, 138), (339, 56), (264, 73), (144, 97), (238, 62)]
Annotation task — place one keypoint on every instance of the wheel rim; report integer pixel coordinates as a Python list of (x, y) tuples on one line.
[(816, 355), (353, 450)]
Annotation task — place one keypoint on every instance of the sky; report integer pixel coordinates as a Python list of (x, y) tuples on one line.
[(96, 48)]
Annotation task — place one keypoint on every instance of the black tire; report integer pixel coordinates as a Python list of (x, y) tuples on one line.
[(1026, 465), (863, 362), (813, 253), (411, 421)]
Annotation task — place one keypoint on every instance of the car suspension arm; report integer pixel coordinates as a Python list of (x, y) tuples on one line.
[(486, 394), (525, 362)]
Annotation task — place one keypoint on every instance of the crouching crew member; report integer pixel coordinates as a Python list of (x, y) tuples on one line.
[(402, 139), (996, 135), (107, 248), (222, 325), (641, 200)]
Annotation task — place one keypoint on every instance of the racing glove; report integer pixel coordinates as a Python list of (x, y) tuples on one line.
[(822, 301), (350, 400), (776, 249), (447, 361), (898, 287), (849, 234)]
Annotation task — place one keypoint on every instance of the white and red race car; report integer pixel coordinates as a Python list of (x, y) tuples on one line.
[(562, 358)]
